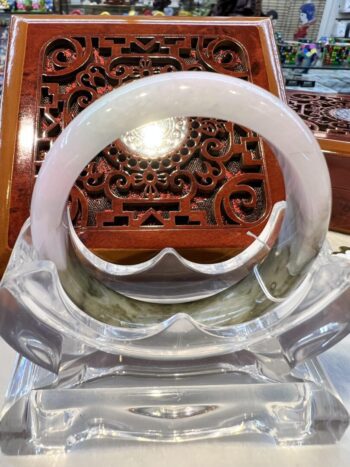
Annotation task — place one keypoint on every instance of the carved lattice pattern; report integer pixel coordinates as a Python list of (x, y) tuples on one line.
[(328, 113), (216, 178)]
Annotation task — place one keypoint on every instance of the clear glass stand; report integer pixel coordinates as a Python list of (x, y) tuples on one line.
[(48, 413), (183, 378)]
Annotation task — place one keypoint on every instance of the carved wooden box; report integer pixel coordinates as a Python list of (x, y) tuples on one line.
[(206, 194), (328, 116)]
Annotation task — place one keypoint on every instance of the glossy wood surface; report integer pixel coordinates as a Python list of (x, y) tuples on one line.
[(321, 113), (58, 65)]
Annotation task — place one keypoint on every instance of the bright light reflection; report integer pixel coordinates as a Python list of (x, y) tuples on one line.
[(152, 135), (157, 139), (26, 135)]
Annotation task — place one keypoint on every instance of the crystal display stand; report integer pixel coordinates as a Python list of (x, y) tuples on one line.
[(212, 398), (272, 388), (170, 350)]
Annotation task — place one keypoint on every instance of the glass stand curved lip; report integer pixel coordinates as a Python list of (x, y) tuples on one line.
[(32, 298), (36, 293)]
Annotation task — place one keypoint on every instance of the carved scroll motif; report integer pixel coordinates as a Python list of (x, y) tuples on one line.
[(215, 178), (323, 112)]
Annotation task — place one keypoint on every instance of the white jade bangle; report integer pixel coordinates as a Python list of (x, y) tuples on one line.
[(187, 94)]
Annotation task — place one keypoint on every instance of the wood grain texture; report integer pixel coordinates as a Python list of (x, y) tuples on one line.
[(328, 116), (202, 198)]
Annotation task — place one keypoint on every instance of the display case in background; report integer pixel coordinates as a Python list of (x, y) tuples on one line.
[(290, 16), (18, 7), (4, 24), (122, 7)]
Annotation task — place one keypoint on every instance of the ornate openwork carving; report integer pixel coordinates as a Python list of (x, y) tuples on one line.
[(323, 112), (211, 180), (215, 178)]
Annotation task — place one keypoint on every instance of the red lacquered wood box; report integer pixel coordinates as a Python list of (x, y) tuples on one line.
[(328, 116), (201, 197)]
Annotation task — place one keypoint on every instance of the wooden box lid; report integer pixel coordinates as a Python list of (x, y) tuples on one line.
[(328, 116), (58, 65)]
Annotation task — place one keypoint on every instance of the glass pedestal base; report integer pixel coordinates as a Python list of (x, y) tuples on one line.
[(45, 413)]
